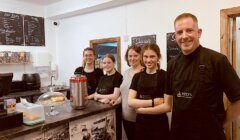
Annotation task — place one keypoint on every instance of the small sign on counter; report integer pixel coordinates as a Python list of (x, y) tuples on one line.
[(10, 105)]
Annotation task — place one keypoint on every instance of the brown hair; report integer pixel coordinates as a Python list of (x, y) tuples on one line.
[(109, 55), (154, 47), (186, 15), (89, 49), (136, 48)]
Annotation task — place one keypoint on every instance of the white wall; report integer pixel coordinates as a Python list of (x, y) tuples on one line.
[(50, 40), (66, 41), (142, 18), (238, 45)]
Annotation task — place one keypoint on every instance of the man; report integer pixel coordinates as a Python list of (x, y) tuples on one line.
[(197, 78)]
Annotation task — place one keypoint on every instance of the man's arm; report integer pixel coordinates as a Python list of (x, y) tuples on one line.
[(233, 111)]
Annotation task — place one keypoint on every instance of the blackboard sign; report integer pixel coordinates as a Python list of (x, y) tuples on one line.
[(11, 29), (17, 29), (34, 31), (143, 40), (172, 46)]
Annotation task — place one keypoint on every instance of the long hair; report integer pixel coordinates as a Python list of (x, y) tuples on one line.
[(154, 47)]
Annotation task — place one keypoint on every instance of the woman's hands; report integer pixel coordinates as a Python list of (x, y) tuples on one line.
[(97, 97), (115, 102), (105, 101), (144, 110), (94, 96)]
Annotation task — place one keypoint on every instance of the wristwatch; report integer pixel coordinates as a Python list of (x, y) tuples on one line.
[(152, 102)]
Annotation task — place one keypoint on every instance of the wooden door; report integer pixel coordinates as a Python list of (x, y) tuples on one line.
[(228, 47)]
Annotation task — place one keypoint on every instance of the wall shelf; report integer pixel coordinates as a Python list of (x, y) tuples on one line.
[(22, 63), (9, 58)]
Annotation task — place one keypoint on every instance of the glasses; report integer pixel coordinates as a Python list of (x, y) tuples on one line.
[(88, 55)]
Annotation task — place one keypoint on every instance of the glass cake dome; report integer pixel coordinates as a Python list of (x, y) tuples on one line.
[(52, 100)]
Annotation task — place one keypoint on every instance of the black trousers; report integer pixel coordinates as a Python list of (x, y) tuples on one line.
[(152, 129), (129, 128), (119, 121)]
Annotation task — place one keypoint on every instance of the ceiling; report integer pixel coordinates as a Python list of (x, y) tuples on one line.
[(40, 2)]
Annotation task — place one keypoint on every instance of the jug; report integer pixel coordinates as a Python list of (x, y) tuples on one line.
[(78, 91)]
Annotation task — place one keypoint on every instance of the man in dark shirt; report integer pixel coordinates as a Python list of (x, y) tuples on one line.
[(197, 78)]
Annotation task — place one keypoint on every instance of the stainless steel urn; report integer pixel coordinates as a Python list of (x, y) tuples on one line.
[(78, 91)]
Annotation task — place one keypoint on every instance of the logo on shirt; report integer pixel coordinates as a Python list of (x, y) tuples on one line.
[(146, 97), (184, 94)]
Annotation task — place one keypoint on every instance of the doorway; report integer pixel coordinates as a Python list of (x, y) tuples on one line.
[(230, 46)]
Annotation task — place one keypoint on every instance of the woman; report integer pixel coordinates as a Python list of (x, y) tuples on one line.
[(93, 74), (147, 96), (108, 86), (133, 58)]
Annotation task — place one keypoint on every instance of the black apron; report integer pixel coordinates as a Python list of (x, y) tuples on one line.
[(154, 127), (105, 86), (91, 81), (192, 118)]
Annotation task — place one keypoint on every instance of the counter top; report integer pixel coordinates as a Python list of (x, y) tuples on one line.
[(31, 93), (63, 117)]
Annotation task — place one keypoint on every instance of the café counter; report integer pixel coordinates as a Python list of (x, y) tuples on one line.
[(69, 124)]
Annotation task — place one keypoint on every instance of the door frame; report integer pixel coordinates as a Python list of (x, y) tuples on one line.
[(228, 48)]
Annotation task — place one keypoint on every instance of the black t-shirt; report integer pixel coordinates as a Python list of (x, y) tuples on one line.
[(107, 83), (149, 86), (145, 84), (92, 78), (220, 76), (197, 82)]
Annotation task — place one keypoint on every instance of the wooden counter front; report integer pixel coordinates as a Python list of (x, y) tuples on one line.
[(63, 118)]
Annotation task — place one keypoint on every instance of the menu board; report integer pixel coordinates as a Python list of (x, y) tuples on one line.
[(17, 29), (11, 29), (172, 47), (143, 40), (34, 31)]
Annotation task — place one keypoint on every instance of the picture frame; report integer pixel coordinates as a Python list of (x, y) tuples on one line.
[(107, 45)]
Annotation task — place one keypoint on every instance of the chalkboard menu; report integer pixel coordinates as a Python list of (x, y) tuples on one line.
[(172, 46), (11, 29), (143, 40), (34, 31), (17, 29)]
